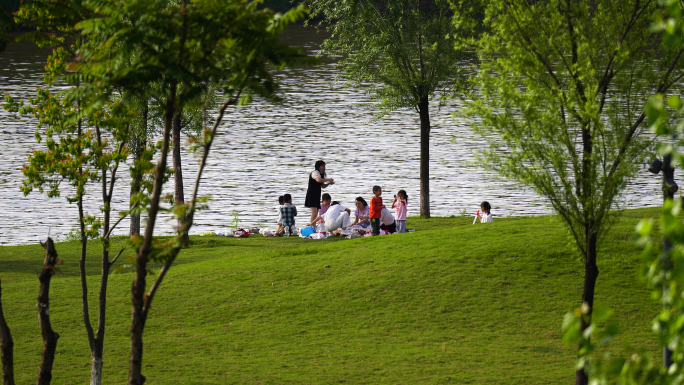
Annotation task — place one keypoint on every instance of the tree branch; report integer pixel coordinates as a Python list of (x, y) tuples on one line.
[(664, 86), (117, 256), (608, 73), (117, 222), (191, 209)]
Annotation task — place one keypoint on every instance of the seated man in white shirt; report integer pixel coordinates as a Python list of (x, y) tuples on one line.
[(387, 221), (336, 217)]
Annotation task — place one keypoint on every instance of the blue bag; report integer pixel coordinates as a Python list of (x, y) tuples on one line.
[(305, 232)]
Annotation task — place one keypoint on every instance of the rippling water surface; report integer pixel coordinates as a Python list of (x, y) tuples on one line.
[(265, 150)]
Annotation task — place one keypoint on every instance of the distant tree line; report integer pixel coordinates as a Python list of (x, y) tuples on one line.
[(280, 5), (10, 5)]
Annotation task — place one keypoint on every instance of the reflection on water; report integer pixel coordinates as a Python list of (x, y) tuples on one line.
[(264, 151)]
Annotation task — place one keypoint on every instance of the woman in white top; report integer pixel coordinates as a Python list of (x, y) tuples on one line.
[(336, 217)]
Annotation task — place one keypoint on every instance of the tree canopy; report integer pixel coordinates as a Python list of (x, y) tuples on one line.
[(188, 49), (405, 51), (562, 86)]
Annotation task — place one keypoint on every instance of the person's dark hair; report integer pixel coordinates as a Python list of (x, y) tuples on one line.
[(376, 188), (363, 201), (485, 205), (287, 198), (334, 203), (318, 165), (281, 199), (404, 193), (326, 196)]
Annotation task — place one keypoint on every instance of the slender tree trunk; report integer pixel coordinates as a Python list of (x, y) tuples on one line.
[(84, 296), (135, 188), (423, 109), (6, 348), (82, 270), (139, 146), (49, 336), (138, 318), (140, 304), (96, 363), (591, 272), (668, 174), (98, 344), (179, 196)]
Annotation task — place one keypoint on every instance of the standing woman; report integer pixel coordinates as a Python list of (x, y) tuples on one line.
[(317, 181)]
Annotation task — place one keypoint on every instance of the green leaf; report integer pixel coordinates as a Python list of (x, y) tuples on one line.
[(601, 313), (674, 102)]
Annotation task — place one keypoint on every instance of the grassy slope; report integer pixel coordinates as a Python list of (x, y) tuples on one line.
[(451, 302)]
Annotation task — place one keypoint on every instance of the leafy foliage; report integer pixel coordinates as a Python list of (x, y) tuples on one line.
[(561, 103), (663, 269), (187, 52), (565, 99), (140, 45), (403, 50)]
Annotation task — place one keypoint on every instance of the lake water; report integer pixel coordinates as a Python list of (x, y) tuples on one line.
[(265, 150)]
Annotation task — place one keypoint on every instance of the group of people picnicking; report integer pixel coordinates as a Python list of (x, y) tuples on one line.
[(328, 215)]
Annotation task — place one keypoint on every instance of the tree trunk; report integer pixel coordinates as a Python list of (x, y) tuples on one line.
[(135, 376), (138, 295), (84, 297), (135, 188), (49, 336), (179, 196), (96, 364), (6, 348), (138, 318), (591, 272), (140, 139), (97, 347), (668, 175), (98, 343), (423, 109)]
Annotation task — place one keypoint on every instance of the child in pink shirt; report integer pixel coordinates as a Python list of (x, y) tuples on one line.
[(325, 205), (399, 204)]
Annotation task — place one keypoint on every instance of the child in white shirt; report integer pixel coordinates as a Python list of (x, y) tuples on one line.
[(485, 213)]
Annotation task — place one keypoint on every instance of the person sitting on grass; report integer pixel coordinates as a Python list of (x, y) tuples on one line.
[(361, 213), (336, 217), (279, 227), (288, 212), (325, 205), (485, 213)]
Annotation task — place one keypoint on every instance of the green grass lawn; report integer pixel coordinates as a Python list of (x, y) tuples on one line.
[(450, 303)]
